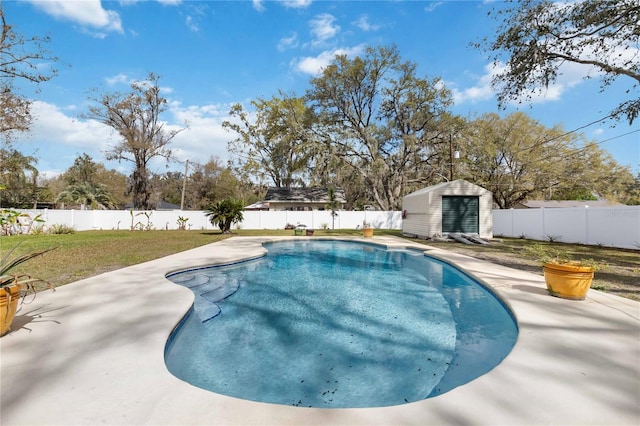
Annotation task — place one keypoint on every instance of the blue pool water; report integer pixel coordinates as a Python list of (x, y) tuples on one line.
[(337, 324)]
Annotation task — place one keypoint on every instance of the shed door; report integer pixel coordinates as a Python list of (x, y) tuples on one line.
[(460, 214)]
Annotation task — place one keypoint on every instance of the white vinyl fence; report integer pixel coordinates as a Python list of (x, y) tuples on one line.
[(84, 220), (608, 226)]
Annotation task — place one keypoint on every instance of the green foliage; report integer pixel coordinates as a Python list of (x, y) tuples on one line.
[(333, 205), (225, 213), (138, 225), (95, 196), (83, 171), (14, 223), (182, 222), (9, 224), (85, 175), (278, 144), (204, 182), (517, 159), (631, 194), (380, 120), (18, 179)]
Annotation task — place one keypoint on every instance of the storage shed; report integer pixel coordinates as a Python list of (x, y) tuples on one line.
[(448, 208)]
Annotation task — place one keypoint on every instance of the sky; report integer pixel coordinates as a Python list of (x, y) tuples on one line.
[(213, 54)]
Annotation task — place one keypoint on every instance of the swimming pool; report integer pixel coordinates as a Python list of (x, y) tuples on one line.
[(337, 324)]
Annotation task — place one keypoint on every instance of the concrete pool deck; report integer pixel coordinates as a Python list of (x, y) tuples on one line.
[(93, 353)]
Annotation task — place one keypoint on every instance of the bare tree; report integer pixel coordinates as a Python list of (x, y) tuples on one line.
[(20, 59), (135, 116)]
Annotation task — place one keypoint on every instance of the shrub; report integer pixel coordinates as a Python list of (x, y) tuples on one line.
[(59, 229)]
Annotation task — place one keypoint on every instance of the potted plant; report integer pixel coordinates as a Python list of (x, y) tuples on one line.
[(12, 286), (565, 277), (367, 229), (300, 229)]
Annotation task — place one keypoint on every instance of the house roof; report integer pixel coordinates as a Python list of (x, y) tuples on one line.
[(302, 195), (161, 205), (260, 205), (536, 204)]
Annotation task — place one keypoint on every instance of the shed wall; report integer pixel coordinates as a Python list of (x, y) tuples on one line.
[(418, 216), (423, 217)]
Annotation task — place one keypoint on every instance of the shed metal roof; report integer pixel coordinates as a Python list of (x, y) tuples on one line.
[(458, 184)]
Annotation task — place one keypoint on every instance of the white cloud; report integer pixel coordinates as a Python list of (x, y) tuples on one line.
[(288, 42), (125, 79), (88, 13), (57, 133), (433, 5), (163, 2), (323, 28), (569, 75), (315, 64), (482, 91), (191, 24), (118, 79), (53, 124), (259, 5), (364, 24), (296, 4), (205, 136), (54, 133)]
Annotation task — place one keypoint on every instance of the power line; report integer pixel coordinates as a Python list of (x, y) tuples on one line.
[(616, 137)]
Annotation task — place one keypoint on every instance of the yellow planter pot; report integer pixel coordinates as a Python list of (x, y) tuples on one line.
[(367, 232), (567, 280), (9, 297)]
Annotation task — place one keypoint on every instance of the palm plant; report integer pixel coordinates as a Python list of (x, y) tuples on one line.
[(225, 213), (7, 264), (95, 196)]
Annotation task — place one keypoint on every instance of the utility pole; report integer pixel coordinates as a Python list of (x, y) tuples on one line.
[(184, 184), (452, 155), (450, 158)]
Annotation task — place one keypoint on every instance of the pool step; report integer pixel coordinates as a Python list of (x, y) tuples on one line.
[(208, 291), (191, 280), (221, 292), (205, 309)]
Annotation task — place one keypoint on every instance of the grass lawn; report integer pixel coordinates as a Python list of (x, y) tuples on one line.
[(620, 275), (87, 253)]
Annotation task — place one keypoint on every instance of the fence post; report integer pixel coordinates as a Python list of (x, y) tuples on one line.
[(586, 224), (512, 220)]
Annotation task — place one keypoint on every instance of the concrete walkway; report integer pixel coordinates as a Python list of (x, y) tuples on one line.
[(93, 353)]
